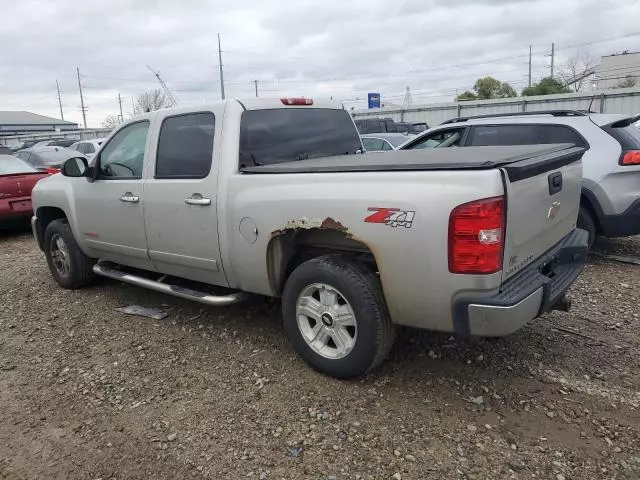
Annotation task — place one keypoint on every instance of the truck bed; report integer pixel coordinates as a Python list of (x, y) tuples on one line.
[(520, 161)]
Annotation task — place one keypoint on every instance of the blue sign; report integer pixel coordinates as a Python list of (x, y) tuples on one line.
[(373, 99)]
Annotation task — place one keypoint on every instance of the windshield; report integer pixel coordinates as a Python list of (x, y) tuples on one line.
[(288, 134), (10, 165), (397, 141)]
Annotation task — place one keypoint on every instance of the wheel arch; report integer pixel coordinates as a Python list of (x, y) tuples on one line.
[(44, 216), (291, 247), (589, 201)]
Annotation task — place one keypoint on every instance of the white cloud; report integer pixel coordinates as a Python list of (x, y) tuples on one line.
[(309, 47)]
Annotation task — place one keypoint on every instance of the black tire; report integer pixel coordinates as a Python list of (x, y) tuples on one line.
[(80, 272), (360, 287), (586, 222)]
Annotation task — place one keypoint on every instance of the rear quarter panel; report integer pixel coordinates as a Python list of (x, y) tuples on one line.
[(412, 262)]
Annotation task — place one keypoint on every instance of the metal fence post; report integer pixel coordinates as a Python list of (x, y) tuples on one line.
[(458, 111), (524, 105), (602, 98)]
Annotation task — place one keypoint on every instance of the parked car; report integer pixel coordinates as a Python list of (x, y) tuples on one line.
[(47, 158), (411, 128), (87, 147), (420, 127), (17, 179), (273, 197), (54, 142), (375, 142), (610, 202), (4, 150), (376, 125)]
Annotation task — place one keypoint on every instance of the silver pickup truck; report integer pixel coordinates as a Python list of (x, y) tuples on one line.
[(275, 197)]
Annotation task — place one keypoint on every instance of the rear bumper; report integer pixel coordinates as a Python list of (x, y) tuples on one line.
[(623, 225), (532, 292)]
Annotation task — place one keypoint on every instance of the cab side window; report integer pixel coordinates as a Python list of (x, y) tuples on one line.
[(123, 156), (440, 139), (185, 146), (494, 135)]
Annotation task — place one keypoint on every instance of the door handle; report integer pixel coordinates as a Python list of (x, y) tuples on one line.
[(197, 199), (130, 198)]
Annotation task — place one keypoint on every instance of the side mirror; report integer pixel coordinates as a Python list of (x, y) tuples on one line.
[(75, 167)]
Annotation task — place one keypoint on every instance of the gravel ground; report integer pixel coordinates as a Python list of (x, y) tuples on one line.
[(87, 392)]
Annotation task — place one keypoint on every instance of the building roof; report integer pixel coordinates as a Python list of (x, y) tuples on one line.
[(9, 117)]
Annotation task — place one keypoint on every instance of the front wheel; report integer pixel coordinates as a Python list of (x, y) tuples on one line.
[(336, 317), (69, 266)]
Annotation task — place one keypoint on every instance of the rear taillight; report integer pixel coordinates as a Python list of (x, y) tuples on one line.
[(476, 236), (631, 157), (297, 101), (52, 170)]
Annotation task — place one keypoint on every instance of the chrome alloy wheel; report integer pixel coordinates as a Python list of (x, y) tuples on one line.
[(326, 321)]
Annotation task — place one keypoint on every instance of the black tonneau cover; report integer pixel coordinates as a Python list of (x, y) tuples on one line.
[(520, 161)]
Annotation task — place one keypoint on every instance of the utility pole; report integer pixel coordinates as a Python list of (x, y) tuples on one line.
[(120, 102), (255, 82), (59, 101), (553, 54), (221, 74), (84, 110), (529, 65)]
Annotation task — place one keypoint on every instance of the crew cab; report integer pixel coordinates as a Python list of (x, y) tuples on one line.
[(274, 197)]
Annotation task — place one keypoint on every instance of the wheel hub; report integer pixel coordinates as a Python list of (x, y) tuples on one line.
[(327, 320)]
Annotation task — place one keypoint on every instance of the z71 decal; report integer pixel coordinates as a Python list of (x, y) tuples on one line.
[(394, 217)]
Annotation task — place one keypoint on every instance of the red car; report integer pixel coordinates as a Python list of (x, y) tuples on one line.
[(17, 179)]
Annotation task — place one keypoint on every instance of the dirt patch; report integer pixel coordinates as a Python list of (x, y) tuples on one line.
[(88, 392)]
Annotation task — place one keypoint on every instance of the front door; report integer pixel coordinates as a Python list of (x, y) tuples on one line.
[(110, 210), (180, 199)]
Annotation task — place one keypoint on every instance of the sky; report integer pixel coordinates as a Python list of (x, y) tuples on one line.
[(315, 48)]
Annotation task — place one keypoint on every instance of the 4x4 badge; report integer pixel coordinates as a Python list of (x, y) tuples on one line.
[(394, 217)]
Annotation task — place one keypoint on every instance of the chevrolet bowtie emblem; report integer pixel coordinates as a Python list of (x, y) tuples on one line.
[(553, 210)]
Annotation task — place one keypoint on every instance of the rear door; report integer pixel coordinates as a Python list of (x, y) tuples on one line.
[(543, 199), (180, 216)]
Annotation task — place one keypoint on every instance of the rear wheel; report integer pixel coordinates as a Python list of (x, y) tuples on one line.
[(336, 317), (69, 266), (586, 222)]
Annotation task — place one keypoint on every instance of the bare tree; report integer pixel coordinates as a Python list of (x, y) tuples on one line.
[(576, 70), (627, 82), (110, 121), (151, 101)]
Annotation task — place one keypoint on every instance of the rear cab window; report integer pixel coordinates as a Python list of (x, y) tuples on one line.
[(288, 134)]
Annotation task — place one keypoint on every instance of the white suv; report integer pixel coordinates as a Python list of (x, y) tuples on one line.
[(610, 203)]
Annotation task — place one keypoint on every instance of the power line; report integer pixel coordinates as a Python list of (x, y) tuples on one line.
[(221, 73), (120, 102), (82, 107), (59, 100)]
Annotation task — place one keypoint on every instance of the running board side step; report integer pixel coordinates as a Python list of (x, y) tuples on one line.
[(202, 297)]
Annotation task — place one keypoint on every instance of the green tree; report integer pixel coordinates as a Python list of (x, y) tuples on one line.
[(488, 87), (546, 86), (467, 96)]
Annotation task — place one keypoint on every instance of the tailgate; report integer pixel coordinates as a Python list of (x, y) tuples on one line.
[(543, 199)]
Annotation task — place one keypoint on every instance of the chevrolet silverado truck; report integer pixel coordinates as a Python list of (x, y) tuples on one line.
[(276, 198)]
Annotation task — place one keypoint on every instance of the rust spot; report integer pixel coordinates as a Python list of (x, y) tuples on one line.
[(331, 224), (309, 224)]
